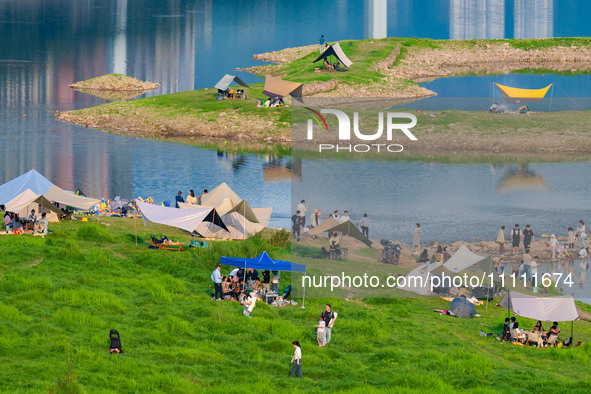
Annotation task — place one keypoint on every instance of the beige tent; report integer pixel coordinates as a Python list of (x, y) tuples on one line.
[(238, 227), (550, 309), (61, 196), (347, 228), (218, 194), (277, 87), (28, 200)]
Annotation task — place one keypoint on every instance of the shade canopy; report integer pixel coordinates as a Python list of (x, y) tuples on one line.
[(332, 225), (29, 200), (32, 180), (461, 307), (228, 80), (518, 95), (61, 196), (336, 51), (549, 309), (186, 219), (277, 87), (263, 262)]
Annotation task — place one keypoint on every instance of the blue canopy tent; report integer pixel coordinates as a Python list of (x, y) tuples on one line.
[(29, 180), (264, 262)]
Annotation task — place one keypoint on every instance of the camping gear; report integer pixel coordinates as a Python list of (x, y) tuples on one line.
[(228, 80), (186, 219), (518, 95), (391, 252), (336, 51), (29, 200), (332, 225), (29, 180), (115, 341), (277, 88), (463, 308)]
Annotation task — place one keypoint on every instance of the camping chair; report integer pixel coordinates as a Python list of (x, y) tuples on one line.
[(552, 340), (155, 243), (177, 247), (516, 336), (534, 336)]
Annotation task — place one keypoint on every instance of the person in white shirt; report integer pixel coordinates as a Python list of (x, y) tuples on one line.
[(582, 231), (345, 217), (335, 215), (296, 360), (191, 198), (302, 207), (42, 224), (534, 271), (364, 223), (249, 304), (553, 245)]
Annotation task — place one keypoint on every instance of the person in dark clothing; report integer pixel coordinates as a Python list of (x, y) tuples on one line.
[(424, 256), (266, 280), (506, 334), (178, 198), (528, 237), (296, 225)]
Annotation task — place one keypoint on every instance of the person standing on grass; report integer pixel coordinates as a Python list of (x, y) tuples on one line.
[(329, 318), (216, 277), (178, 198), (320, 333), (302, 208), (296, 360), (501, 240), (516, 237), (365, 223), (528, 237), (416, 239)]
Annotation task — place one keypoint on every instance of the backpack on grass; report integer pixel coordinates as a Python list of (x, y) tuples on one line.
[(115, 341)]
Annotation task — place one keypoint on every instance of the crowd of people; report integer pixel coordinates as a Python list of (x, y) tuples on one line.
[(32, 224), (191, 198), (537, 335)]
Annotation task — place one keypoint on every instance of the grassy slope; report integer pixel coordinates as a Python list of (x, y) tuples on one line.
[(68, 290)]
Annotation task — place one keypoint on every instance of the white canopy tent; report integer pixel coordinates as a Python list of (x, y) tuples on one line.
[(548, 309), (186, 219), (61, 196), (28, 200)]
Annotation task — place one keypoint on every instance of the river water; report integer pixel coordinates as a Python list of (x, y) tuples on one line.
[(186, 45)]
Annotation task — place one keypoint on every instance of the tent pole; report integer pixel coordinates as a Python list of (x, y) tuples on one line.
[(551, 95), (488, 291), (135, 226), (572, 323), (244, 278), (304, 295)]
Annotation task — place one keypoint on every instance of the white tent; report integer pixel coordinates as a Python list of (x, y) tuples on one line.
[(549, 309), (186, 219), (28, 200), (58, 194), (218, 194), (29, 180), (418, 280)]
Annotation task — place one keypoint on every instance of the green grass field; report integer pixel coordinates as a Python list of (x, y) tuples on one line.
[(60, 296)]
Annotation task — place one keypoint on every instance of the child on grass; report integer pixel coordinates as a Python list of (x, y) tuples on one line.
[(320, 333)]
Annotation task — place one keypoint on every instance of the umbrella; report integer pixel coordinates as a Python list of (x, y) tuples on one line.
[(461, 307)]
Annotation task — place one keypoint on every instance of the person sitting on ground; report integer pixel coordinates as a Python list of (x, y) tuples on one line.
[(249, 304), (42, 224), (257, 286), (438, 256), (259, 103), (328, 66), (334, 244), (8, 221), (191, 198), (424, 257), (493, 108), (464, 293), (446, 255)]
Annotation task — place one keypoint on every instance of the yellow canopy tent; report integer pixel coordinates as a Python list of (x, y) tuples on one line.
[(518, 95)]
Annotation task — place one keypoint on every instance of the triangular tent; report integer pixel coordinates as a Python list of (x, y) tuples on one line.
[(61, 196), (242, 208), (517, 95), (228, 80), (336, 51), (550, 309), (218, 194), (347, 228), (277, 87), (29, 200), (29, 180)]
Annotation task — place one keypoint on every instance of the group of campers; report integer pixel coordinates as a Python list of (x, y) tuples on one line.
[(14, 224), (191, 198), (241, 284), (537, 336)]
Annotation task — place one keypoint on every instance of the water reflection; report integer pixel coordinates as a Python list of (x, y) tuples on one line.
[(469, 19), (533, 18), (376, 19), (520, 178)]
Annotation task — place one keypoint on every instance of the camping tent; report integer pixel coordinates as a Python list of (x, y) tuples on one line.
[(550, 309), (186, 219), (29, 180), (264, 262), (218, 194), (228, 80), (277, 87), (517, 95), (61, 196), (332, 225), (29, 200), (336, 51)]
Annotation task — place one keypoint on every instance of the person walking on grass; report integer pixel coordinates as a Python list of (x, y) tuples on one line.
[(329, 317), (501, 240), (516, 237), (296, 360), (216, 277), (416, 239)]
